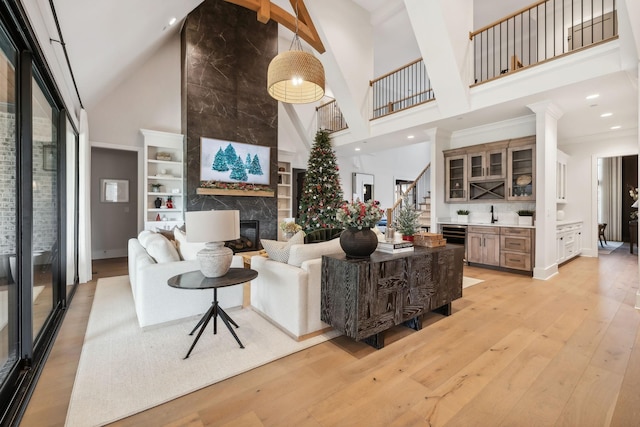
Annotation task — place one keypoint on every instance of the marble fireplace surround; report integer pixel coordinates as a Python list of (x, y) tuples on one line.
[(225, 56)]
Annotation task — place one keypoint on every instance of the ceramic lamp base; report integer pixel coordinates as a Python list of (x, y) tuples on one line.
[(215, 259)]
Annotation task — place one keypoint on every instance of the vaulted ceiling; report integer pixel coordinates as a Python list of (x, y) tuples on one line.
[(106, 39)]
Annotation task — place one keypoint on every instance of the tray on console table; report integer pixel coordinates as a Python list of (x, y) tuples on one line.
[(363, 298)]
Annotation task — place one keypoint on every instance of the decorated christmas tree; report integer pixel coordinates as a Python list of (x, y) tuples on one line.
[(321, 190), (238, 171)]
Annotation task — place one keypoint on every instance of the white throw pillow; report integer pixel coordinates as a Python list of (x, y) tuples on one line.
[(161, 249), (279, 251), (144, 237), (302, 253), (188, 250)]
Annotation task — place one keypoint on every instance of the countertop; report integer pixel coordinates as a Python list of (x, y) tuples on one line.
[(496, 224)]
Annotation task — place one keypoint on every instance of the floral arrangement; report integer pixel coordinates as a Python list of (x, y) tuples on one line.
[(289, 227), (359, 214), (234, 186)]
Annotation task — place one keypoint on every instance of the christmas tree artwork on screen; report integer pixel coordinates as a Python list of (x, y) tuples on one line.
[(321, 189)]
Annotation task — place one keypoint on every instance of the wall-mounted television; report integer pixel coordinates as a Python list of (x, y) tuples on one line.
[(228, 161)]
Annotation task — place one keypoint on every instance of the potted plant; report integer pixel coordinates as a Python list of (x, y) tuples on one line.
[(525, 217), (407, 220), (358, 240), (463, 215), (289, 228)]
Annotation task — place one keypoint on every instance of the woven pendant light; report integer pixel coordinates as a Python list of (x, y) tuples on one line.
[(296, 76)]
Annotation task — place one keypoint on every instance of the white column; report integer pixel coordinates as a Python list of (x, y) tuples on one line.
[(440, 141), (547, 115)]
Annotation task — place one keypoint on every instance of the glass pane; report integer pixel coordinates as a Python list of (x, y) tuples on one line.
[(45, 206), (495, 164), (8, 210)]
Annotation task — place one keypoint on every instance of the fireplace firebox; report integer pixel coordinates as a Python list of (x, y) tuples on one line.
[(249, 237)]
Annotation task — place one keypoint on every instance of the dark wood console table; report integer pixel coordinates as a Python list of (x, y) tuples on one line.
[(363, 298)]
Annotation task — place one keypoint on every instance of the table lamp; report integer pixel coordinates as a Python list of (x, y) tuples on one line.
[(213, 228)]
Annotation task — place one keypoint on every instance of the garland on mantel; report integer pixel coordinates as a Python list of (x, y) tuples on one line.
[(242, 186)]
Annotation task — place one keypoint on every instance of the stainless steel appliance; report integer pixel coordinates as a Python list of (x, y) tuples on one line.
[(455, 234)]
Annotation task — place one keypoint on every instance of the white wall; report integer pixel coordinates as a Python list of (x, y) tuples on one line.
[(148, 99), (386, 166)]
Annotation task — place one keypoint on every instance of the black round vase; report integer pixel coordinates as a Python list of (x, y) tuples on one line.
[(157, 202), (358, 243)]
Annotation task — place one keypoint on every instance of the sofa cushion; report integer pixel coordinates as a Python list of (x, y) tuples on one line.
[(161, 249), (301, 253), (279, 251), (188, 250)]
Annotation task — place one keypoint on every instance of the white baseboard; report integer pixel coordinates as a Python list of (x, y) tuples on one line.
[(545, 273), (109, 253)]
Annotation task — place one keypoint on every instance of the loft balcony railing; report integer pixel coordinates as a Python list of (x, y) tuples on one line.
[(403, 88), (540, 32), (330, 118)]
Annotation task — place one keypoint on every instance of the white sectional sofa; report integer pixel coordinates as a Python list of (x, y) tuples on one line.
[(153, 259), (288, 294)]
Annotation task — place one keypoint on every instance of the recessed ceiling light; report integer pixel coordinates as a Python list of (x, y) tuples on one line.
[(593, 96), (410, 137), (357, 148), (172, 20), (606, 114), (615, 127)]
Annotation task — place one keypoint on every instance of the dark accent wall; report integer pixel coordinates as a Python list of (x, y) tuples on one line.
[(225, 56)]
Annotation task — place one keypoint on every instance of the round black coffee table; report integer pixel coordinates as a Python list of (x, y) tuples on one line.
[(196, 280)]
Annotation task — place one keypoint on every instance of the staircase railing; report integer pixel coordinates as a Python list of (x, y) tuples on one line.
[(392, 212), (330, 118), (542, 31), (400, 89)]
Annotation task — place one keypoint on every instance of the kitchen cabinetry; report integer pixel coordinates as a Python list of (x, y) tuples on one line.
[(568, 240), (483, 245), (163, 179), (516, 248), (284, 194), (456, 178), (496, 171), (520, 177), (487, 165)]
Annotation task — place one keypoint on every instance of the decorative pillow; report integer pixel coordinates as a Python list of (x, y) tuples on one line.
[(161, 249), (187, 250), (144, 237), (301, 253), (279, 251), (166, 233)]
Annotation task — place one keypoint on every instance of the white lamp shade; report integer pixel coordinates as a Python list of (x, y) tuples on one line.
[(212, 226)]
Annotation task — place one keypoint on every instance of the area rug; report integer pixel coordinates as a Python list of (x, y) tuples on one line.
[(469, 281), (4, 295), (608, 248), (124, 370)]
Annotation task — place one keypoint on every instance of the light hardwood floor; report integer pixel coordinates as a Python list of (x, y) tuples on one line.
[(515, 352)]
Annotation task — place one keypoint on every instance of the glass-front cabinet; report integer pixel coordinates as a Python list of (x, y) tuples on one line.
[(456, 178), (522, 165), (487, 165)]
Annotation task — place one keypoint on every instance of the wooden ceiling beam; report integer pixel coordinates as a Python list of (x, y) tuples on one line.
[(265, 10)]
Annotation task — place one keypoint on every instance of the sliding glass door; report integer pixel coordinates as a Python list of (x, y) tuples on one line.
[(45, 235), (8, 210)]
